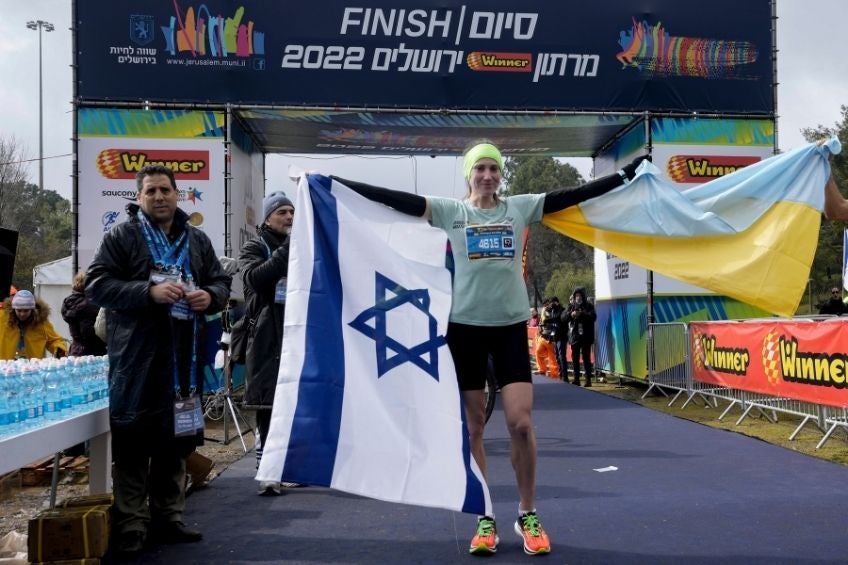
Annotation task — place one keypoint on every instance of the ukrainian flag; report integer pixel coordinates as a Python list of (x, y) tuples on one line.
[(750, 235)]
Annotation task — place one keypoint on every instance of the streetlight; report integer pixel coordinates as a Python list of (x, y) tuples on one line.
[(46, 26)]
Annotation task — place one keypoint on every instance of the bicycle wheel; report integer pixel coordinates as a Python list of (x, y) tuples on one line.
[(214, 406)]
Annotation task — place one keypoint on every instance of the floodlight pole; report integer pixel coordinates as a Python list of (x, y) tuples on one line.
[(40, 25)]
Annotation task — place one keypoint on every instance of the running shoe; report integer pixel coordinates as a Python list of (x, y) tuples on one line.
[(485, 541), (536, 541)]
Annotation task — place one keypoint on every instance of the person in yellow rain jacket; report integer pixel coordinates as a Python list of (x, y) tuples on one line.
[(25, 330)]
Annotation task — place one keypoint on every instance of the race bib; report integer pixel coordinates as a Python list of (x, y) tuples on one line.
[(490, 241)]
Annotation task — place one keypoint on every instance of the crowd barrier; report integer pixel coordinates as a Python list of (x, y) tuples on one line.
[(768, 367)]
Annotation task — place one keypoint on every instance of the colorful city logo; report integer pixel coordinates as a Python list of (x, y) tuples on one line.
[(141, 29), (126, 163), (702, 168), (652, 50), (206, 35)]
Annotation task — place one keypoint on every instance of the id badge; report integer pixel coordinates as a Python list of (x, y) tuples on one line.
[(492, 241), (159, 277), (280, 291), (184, 417)]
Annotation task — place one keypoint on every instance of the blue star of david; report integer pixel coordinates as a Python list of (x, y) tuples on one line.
[(383, 303)]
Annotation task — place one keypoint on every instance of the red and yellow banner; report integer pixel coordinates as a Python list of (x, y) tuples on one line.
[(803, 360)]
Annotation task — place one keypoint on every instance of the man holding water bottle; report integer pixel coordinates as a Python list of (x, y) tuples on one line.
[(158, 276)]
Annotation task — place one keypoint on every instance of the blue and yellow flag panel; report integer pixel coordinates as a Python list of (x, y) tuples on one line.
[(750, 235)]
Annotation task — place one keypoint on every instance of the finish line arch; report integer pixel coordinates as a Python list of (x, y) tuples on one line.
[(214, 87)]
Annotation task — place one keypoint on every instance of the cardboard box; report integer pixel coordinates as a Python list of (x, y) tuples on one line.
[(69, 533), (88, 500), (198, 467)]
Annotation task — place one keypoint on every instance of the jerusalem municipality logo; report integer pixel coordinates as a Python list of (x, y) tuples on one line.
[(141, 29)]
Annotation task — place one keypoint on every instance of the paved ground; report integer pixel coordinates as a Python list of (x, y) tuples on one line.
[(682, 493)]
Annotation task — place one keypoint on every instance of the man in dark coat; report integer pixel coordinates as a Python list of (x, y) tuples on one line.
[(157, 275), (581, 317), (264, 265)]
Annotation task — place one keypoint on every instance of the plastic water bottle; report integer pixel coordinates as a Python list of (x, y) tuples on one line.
[(33, 402), (37, 380), (76, 386), (13, 394), (6, 417), (63, 371), (92, 386), (103, 379), (52, 391)]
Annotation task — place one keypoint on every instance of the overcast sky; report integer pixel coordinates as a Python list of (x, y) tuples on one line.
[(812, 72)]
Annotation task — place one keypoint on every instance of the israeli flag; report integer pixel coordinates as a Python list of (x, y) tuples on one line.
[(367, 400)]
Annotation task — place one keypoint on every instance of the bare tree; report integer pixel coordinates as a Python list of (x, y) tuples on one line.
[(13, 173)]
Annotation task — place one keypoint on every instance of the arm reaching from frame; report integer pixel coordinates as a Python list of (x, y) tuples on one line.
[(835, 205)]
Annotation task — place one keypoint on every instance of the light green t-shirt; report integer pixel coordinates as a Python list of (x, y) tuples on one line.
[(487, 244)]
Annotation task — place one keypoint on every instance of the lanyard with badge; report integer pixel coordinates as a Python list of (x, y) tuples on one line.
[(171, 262), (282, 284)]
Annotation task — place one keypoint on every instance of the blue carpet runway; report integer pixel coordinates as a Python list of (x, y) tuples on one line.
[(682, 493)]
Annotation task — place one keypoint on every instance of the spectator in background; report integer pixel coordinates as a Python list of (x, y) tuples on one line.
[(26, 331), (546, 361), (264, 264), (533, 322), (581, 334), (561, 337), (80, 316), (834, 305)]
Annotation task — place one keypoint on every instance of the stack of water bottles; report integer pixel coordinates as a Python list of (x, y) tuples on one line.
[(40, 392)]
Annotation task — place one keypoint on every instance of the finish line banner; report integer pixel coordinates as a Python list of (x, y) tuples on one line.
[(803, 360), (621, 55)]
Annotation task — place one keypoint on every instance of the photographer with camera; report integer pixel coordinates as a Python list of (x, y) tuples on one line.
[(580, 317), (546, 359)]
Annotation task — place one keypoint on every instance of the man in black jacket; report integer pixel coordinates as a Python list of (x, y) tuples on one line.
[(157, 275), (264, 264), (581, 334), (834, 305)]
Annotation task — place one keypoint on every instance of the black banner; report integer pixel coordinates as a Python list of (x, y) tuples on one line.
[(615, 55)]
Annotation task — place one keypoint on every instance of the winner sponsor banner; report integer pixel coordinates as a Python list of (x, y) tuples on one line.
[(107, 169), (803, 360), (666, 55)]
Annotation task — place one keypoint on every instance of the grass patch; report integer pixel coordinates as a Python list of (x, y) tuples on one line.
[(754, 425)]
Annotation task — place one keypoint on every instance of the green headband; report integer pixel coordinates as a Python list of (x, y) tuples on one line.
[(481, 151)]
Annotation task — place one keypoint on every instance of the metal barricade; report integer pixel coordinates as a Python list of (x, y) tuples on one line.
[(834, 418), (670, 369), (669, 359)]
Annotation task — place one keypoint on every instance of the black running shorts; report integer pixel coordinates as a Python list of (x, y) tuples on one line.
[(471, 347)]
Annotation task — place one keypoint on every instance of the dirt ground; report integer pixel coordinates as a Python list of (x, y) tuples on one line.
[(18, 504)]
